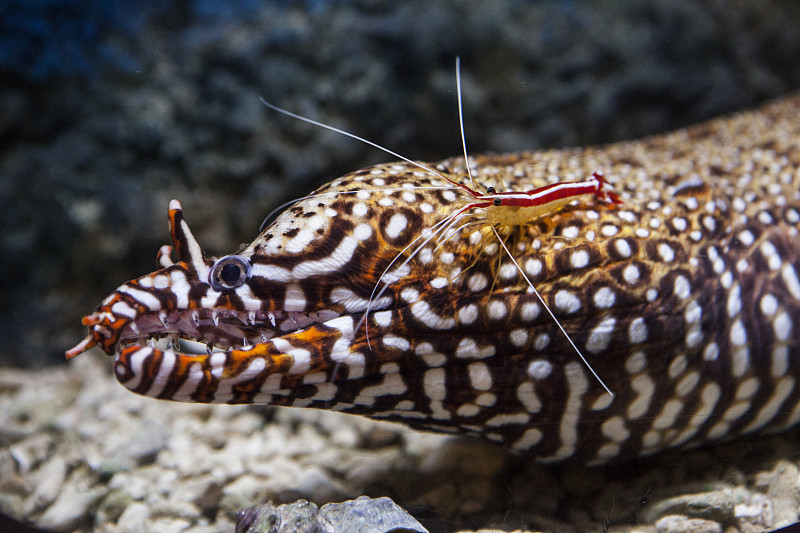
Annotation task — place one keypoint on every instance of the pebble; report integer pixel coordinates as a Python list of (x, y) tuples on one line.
[(780, 486), (716, 505), (72, 508), (47, 481), (30, 452), (134, 519), (319, 486), (203, 491), (126, 452), (683, 524), (112, 506), (169, 525), (138, 484), (757, 512)]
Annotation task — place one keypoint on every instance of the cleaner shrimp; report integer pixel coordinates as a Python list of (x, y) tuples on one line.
[(506, 209)]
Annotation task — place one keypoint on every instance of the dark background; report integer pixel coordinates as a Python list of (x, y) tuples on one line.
[(110, 109)]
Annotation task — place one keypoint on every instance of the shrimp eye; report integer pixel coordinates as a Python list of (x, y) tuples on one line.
[(497, 202), (229, 272), (490, 190)]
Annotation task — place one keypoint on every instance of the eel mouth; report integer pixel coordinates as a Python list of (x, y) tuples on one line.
[(206, 330), (217, 329)]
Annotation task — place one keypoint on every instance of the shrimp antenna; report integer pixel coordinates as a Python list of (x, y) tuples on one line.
[(366, 141), (461, 120)]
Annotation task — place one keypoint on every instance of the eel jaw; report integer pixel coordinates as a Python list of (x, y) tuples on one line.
[(216, 328)]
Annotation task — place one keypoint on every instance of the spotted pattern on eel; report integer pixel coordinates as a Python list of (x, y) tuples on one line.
[(686, 300)]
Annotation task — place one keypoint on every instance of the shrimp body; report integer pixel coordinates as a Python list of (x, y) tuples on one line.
[(518, 208)]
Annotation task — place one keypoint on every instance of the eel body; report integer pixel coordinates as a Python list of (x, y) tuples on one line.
[(685, 300)]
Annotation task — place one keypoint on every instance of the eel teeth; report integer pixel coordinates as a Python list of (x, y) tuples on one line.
[(271, 319), (251, 317), (245, 344), (175, 341), (162, 316), (196, 318), (134, 327), (215, 317)]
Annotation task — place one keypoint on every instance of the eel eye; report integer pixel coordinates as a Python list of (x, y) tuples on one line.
[(229, 272), (490, 190), (497, 202)]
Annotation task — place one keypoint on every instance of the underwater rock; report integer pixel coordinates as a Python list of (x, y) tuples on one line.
[(362, 515)]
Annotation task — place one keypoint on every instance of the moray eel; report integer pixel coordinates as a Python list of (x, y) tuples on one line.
[(685, 300)]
